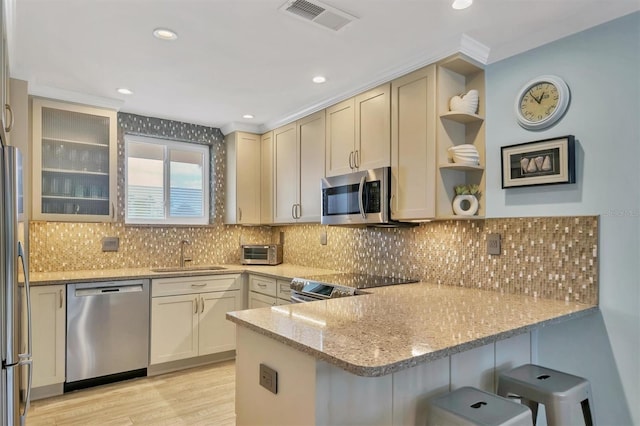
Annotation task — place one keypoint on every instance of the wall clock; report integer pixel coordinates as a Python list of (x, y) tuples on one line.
[(541, 102)]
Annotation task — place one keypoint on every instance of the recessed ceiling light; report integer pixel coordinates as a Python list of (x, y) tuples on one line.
[(125, 91), (319, 79), (247, 116), (165, 34), (461, 4)]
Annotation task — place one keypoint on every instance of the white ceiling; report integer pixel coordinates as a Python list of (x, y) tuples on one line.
[(235, 57)]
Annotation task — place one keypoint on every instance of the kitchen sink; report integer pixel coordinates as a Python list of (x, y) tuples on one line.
[(188, 268)]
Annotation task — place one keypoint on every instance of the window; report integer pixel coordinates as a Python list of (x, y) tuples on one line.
[(166, 182)]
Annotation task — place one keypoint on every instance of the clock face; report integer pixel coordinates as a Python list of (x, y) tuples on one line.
[(541, 102)]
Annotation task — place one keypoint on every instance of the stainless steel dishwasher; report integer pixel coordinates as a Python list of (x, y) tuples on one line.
[(107, 332)]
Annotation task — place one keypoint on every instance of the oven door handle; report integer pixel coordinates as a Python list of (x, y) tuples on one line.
[(360, 196)]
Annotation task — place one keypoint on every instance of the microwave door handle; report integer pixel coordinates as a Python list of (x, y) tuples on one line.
[(360, 195)]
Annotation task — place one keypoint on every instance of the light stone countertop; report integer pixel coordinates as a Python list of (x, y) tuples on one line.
[(284, 271), (397, 327)]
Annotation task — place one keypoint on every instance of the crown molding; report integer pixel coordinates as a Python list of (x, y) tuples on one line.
[(463, 44), (75, 97), (241, 127)]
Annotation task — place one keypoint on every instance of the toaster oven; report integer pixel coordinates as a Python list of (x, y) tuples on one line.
[(255, 254)]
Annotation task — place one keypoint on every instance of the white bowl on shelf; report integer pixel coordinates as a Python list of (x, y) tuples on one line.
[(465, 154)]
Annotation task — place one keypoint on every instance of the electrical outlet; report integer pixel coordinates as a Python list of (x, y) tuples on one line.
[(323, 238), (493, 244), (269, 378), (110, 243)]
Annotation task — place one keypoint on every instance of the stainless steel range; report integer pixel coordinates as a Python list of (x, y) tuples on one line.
[(321, 287)]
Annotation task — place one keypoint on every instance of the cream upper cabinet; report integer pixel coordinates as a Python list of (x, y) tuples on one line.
[(311, 142), (340, 138), (6, 117), (243, 203), (359, 132), (373, 128), (48, 322), (413, 145), (286, 173), (266, 178), (298, 153), (74, 162)]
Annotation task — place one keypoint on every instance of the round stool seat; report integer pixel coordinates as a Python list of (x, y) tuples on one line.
[(557, 391), (469, 406)]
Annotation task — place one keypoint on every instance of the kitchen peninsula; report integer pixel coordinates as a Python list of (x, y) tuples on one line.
[(384, 352)]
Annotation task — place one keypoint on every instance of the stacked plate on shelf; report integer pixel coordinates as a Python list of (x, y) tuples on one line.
[(465, 154)]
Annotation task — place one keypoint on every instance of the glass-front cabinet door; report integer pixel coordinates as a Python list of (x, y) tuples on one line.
[(74, 162)]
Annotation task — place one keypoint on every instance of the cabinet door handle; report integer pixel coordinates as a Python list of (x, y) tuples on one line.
[(356, 159), (239, 214), (10, 126), (202, 301), (199, 285), (261, 285), (113, 210), (195, 304), (299, 211), (351, 160), (293, 211), (60, 294)]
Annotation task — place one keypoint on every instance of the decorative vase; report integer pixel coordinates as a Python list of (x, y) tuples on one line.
[(467, 102), (465, 205)]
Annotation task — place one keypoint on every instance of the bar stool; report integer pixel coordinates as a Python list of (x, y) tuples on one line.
[(559, 392), (469, 406)]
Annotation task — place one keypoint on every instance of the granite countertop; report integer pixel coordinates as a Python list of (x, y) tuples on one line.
[(284, 271), (400, 326)]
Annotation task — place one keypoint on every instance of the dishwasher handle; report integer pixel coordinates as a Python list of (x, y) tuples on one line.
[(106, 291)]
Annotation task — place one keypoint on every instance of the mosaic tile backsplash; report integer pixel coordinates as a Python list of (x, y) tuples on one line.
[(551, 257)]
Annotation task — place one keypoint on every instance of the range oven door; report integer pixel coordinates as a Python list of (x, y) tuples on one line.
[(356, 198), (297, 297)]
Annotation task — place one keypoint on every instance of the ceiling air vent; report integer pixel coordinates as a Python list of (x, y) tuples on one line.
[(318, 13)]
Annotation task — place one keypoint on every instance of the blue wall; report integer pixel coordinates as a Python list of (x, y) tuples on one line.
[(602, 68)]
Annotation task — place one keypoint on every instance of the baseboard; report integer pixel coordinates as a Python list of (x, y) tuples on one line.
[(42, 392), (168, 367)]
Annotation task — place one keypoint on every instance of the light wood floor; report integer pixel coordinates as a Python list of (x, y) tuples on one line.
[(199, 396)]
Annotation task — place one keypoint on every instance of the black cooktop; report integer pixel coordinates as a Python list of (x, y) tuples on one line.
[(356, 280)]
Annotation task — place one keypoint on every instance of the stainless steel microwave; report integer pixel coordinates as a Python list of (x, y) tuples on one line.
[(267, 254), (359, 198)]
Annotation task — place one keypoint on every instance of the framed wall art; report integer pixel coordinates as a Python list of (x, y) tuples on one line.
[(544, 162)]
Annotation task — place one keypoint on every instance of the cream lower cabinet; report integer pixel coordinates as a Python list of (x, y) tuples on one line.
[(265, 292), (188, 316), (48, 318)]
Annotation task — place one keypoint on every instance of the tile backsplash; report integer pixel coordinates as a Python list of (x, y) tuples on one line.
[(550, 257)]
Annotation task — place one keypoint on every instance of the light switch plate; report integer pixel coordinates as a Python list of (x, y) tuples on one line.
[(110, 243), (493, 244), (269, 378)]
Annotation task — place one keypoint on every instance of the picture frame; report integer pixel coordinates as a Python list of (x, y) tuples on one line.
[(543, 162)]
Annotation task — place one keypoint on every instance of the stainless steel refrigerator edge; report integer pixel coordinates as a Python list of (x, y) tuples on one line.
[(13, 297)]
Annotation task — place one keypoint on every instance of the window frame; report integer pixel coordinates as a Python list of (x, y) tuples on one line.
[(168, 145)]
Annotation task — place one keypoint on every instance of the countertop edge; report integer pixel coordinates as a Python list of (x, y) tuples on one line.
[(383, 370)]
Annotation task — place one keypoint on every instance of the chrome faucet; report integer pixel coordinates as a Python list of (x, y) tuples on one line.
[(183, 259)]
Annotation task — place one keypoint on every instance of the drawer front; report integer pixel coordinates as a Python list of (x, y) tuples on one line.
[(199, 284), (284, 289), (263, 285)]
